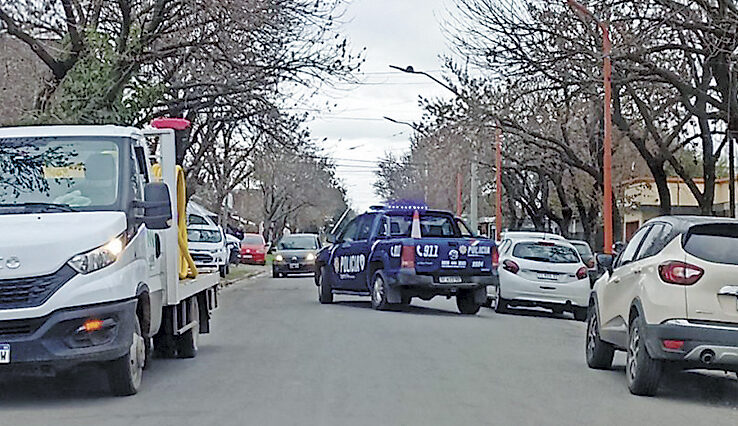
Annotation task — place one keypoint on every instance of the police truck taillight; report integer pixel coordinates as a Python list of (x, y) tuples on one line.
[(407, 260), (675, 272), (495, 258)]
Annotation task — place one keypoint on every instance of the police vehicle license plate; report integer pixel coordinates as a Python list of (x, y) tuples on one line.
[(544, 276), (449, 279), (4, 354), (294, 265)]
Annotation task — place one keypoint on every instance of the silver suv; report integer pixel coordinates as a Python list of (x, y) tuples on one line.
[(671, 297)]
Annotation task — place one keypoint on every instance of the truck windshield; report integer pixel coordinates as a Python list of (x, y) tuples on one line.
[(430, 226), (203, 236), (57, 174)]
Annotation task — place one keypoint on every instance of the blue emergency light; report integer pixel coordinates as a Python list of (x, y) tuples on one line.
[(406, 205)]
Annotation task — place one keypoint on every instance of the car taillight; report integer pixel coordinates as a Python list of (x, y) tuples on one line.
[(495, 258), (582, 273), (510, 266), (408, 257), (675, 272)]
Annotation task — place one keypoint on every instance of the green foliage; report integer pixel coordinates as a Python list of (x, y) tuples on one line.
[(88, 93)]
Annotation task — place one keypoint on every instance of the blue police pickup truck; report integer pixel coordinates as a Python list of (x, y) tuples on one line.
[(395, 253)]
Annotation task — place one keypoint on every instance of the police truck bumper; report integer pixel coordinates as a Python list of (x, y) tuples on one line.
[(409, 278), (60, 341)]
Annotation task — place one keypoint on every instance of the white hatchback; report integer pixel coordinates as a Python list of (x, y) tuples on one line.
[(548, 273)]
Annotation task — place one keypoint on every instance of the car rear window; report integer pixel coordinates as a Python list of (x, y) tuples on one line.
[(714, 243), (545, 252), (583, 249), (430, 226)]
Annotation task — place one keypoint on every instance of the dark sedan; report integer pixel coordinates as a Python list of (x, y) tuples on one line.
[(295, 254)]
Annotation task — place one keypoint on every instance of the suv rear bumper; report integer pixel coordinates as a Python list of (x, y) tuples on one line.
[(706, 345), (52, 343)]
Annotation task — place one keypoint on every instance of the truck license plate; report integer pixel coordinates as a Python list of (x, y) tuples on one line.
[(449, 279), (4, 354)]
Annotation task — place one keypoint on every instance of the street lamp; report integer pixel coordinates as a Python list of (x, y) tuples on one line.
[(584, 13), (498, 172)]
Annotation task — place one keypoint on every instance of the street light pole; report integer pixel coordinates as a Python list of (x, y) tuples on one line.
[(473, 195), (607, 143)]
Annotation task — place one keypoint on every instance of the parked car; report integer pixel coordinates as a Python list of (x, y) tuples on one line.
[(208, 248), (295, 253), (547, 273), (670, 297), (234, 249), (588, 257), (253, 249)]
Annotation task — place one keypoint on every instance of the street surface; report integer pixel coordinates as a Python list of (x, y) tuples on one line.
[(277, 357)]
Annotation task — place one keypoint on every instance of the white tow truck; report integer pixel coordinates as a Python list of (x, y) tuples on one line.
[(91, 268)]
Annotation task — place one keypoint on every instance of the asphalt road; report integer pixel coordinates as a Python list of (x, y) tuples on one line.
[(277, 357)]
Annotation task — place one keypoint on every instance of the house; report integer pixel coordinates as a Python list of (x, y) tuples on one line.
[(641, 201)]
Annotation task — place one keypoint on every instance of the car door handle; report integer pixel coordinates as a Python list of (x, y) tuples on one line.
[(637, 270), (616, 280)]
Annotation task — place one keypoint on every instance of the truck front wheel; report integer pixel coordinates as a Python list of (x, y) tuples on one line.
[(325, 292), (466, 303), (124, 374)]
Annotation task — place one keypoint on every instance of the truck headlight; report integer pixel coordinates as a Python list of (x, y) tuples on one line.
[(100, 257), (278, 258)]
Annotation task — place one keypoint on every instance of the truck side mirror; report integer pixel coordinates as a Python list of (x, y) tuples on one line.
[(157, 206), (605, 262), (331, 238)]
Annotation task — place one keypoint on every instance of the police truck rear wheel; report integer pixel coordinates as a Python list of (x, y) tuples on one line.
[(187, 342), (325, 295), (379, 292), (466, 303), (124, 374)]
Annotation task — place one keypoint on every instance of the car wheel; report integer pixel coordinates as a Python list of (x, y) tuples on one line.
[(501, 304), (580, 314), (222, 270), (379, 291), (643, 373), (325, 293), (124, 374), (599, 353), (275, 273), (466, 303)]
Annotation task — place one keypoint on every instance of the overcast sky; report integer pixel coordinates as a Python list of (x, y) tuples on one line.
[(397, 32)]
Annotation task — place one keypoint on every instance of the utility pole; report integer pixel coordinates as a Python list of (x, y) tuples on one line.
[(731, 148), (498, 182), (474, 192), (458, 194), (584, 13)]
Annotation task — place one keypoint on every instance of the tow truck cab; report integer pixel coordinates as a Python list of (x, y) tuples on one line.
[(87, 249)]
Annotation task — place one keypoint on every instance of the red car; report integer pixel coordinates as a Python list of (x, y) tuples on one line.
[(253, 249)]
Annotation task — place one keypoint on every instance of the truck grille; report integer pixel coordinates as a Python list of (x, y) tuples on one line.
[(199, 257), (33, 291)]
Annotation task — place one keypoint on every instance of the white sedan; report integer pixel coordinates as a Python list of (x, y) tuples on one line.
[(548, 273)]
